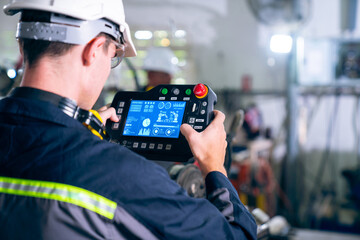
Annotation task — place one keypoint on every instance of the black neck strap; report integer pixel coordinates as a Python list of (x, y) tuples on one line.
[(68, 106)]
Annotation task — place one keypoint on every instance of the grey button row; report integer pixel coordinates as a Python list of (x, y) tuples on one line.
[(158, 146), (175, 99)]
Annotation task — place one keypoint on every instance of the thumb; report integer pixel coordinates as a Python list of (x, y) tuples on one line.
[(187, 131)]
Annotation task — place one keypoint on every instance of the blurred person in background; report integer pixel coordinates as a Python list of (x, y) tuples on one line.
[(160, 66)]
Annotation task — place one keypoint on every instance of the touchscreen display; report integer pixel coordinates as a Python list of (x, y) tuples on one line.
[(154, 119)]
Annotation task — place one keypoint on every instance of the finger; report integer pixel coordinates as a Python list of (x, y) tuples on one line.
[(219, 117), (109, 113), (217, 123), (104, 108)]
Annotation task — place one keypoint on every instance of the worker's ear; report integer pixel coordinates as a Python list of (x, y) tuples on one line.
[(92, 50)]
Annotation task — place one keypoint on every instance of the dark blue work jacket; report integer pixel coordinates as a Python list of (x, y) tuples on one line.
[(59, 181)]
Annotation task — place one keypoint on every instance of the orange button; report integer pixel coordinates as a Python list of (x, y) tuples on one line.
[(200, 90)]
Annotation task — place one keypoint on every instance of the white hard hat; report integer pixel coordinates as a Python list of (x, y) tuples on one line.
[(91, 18), (161, 59)]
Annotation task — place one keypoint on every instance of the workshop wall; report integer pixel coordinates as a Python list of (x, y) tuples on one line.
[(8, 46)]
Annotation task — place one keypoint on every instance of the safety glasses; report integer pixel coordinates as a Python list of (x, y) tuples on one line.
[(119, 54)]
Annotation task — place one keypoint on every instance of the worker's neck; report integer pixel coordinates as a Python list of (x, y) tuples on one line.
[(55, 77)]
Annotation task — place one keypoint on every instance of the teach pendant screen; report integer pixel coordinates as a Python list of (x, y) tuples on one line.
[(154, 119)]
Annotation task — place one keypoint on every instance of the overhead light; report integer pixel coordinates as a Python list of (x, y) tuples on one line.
[(11, 73), (143, 35), (180, 34), (281, 43)]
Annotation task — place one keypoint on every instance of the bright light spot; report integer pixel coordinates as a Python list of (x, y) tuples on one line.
[(180, 34), (143, 35), (174, 60), (281, 43), (271, 62), (11, 73), (165, 42), (179, 81)]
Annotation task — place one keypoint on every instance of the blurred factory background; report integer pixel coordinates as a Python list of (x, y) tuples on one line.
[(289, 68)]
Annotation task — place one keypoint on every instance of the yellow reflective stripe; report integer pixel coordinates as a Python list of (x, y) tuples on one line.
[(60, 192)]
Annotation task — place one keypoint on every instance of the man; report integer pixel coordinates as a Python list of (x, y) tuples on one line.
[(60, 181), (160, 66)]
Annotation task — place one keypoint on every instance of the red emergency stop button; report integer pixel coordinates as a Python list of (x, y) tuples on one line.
[(200, 90)]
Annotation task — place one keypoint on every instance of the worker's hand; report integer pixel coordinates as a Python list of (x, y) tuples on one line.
[(208, 146), (106, 112)]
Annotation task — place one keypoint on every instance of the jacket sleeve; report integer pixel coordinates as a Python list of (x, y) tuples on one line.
[(224, 197)]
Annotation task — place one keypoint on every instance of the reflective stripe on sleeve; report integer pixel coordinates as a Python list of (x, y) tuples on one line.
[(59, 192)]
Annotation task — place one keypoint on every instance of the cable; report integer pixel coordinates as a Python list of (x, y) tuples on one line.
[(133, 70), (322, 166), (356, 121)]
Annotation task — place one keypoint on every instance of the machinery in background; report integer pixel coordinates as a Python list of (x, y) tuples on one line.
[(279, 13), (353, 197), (250, 171), (348, 61), (353, 178), (189, 177), (275, 228)]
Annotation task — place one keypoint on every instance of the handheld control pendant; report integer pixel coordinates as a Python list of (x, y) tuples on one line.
[(150, 121)]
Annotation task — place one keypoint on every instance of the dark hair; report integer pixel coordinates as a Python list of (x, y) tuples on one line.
[(33, 49)]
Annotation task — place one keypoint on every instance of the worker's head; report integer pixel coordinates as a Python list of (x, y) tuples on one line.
[(93, 31), (160, 64)]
